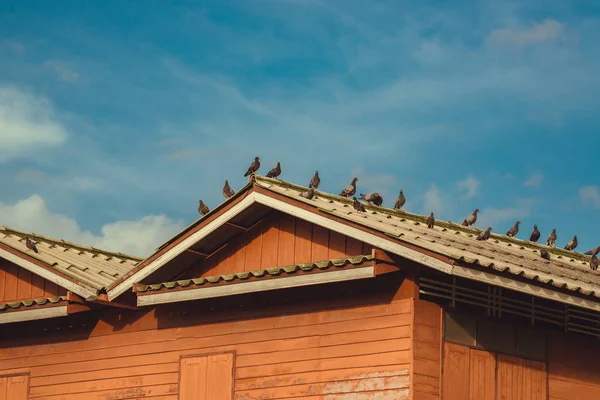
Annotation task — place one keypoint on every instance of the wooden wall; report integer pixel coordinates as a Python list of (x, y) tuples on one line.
[(427, 350), (279, 240), (17, 283)]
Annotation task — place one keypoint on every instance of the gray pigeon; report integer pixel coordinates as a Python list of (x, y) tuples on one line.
[(400, 201), (31, 245), (351, 189), (544, 254), (315, 181), (227, 190), (358, 205), (535, 235), (378, 201), (593, 251), (369, 198), (431, 221), (485, 235), (551, 238), (572, 244), (202, 208), (471, 219), (594, 262), (253, 167), (514, 230), (275, 172), (309, 193)]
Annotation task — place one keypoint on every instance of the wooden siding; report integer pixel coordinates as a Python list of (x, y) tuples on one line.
[(207, 377), (17, 283), (427, 350), (278, 240), (359, 351)]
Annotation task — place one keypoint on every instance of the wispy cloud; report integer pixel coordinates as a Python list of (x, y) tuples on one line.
[(469, 186), (31, 175), (590, 195), (12, 46), (62, 70), (547, 30), (534, 180), (493, 217), (184, 154)]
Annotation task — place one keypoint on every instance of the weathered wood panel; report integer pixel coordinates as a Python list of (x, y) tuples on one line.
[(17, 283), (13, 387), (207, 377), (457, 372), (427, 352), (279, 240)]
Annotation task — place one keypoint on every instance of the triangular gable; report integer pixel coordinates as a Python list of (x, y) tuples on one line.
[(18, 283)]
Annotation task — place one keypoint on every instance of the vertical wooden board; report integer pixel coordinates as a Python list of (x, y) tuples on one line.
[(220, 261), (219, 381), (535, 380), (354, 247), (270, 244), (302, 247), (10, 282), (62, 291), (24, 284), (456, 374), (16, 387), (483, 375), (37, 286), (254, 248), (367, 248), (2, 279), (337, 245), (285, 253), (51, 289), (320, 243), (3, 385), (238, 259), (193, 378), (509, 381)]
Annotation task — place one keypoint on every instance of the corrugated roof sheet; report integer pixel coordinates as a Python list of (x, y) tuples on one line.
[(567, 269), (29, 303), (94, 267), (260, 273)]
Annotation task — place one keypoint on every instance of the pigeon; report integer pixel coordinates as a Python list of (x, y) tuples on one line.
[(485, 235), (572, 244), (227, 190), (358, 205), (275, 172), (592, 251), (253, 167), (551, 238), (514, 230), (31, 245), (369, 198), (471, 219), (308, 194), (430, 221), (594, 262), (351, 189), (378, 201), (544, 254), (400, 201), (535, 235), (315, 181), (202, 208)]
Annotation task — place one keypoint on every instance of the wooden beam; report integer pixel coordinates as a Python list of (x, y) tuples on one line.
[(196, 252), (385, 268), (236, 226), (103, 299), (33, 314)]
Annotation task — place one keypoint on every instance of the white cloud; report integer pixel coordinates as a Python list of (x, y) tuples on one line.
[(384, 184), (535, 180), (139, 237), (433, 201), (31, 175), (469, 185), (494, 216), (590, 195), (547, 30), (27, 123), (62, 70)]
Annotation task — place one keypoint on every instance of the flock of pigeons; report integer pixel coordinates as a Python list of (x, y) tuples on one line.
[(376, 199)]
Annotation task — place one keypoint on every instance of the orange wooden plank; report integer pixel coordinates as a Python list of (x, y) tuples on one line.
[(219, 377), (3, 388), (254, 249), (320, 244), (24, 284), (367, 248), (510, 379), (50, 289), (354, 247), (337, 245), (37, 286), (11, 282), (270, 245), (285, 254), (238, 259), (2, 278), (192, 383), (456, 374), (302, 248), (483, 375), (16, 387)]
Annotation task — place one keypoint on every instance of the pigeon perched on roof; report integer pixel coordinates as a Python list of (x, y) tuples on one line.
[(275, 172), (253, 167), (309, 193), (485, 235), (378, 201), (431, 221), (400, 201), (514, 230), (572, 244), (31, 245), (202, 208), (535, 235), (592, 251), (544, 254), (471, 219), (227, 190), (315, 181), (594, 262), (358, 205), (351, 189), (369, 198), (551, 238)]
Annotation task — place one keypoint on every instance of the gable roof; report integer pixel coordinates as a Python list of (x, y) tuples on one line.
[(81, 269), (450, 248)]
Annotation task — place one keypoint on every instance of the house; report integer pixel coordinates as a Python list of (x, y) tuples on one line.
[(273, 296)]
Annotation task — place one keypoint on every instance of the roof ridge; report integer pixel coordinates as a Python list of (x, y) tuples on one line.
[(423, 219), (66, 243)]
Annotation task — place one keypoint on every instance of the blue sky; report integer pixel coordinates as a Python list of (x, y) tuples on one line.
[(117, 116)]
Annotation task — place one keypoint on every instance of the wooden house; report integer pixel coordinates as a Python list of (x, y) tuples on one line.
[(273, 296)]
